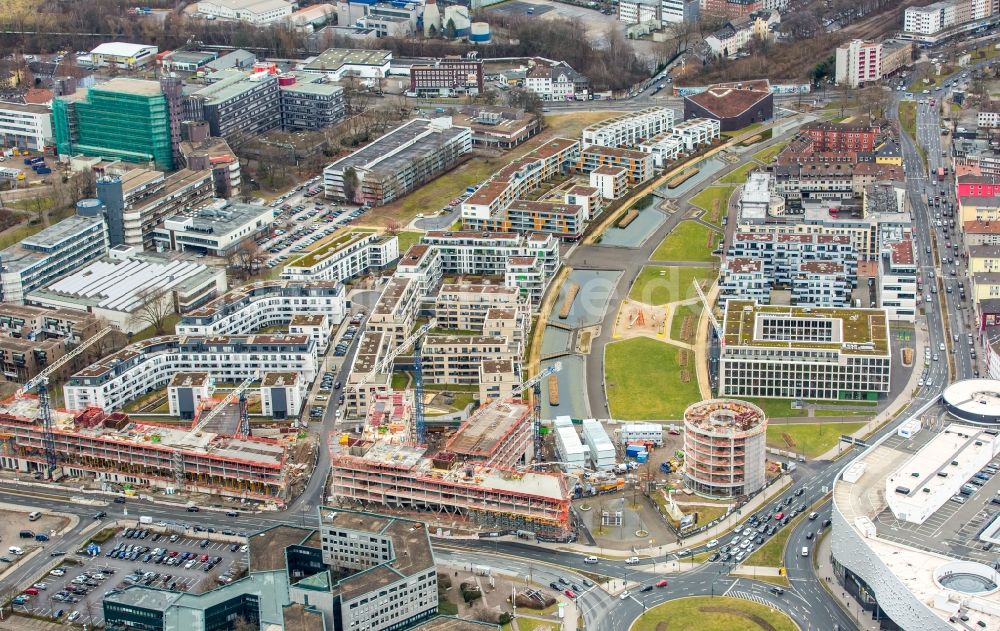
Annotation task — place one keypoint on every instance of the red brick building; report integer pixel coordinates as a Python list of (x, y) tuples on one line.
[(842, 136), (730, 8), (450, 72)]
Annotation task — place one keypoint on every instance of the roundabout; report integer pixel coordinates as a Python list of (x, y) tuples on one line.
[(707, 613)]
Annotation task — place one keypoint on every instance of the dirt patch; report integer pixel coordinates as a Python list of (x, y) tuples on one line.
[(732, 611), (787, 438)]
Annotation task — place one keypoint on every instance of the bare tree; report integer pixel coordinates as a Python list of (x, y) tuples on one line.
[(248, 258), (154, 308), (393, 226)]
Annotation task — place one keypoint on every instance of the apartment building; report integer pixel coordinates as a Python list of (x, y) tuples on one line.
[(256, 12), (218, 229), (136, 202), (282, 394), (457, 359), (422, 264), (738, 33), (447, 75), (26, 126), (395, 311), (499, 254), (898, 292), (497, 380), (50, 254), (344, 255), (743, 278), (611, 182), (638, 165), (804, 352), (629, 130), (860, 63), (249, 308), (981, 209), (696, 132), (398, 162), (469, 306), (822, 284), (556, 82), (31, 338), (944, 15), (314, 325), (981, 233), (144, 366), (664, 148), (842, 137), (977, 186)]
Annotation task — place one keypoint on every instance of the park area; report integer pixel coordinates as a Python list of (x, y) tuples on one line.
[(658, 285), (714, 200), (690, 241), (648, 379), (706, 613)]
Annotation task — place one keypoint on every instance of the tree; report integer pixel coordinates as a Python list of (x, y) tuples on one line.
[(432, 31), (352, 186), (449, 29), (155, 306), (393, 226), (247, 258)]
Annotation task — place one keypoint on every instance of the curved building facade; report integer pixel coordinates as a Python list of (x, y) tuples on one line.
[(724, 448), (974, 401)]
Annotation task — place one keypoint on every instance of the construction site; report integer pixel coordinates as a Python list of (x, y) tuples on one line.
[(478, 475)]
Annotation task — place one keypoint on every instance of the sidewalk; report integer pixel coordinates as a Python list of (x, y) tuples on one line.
[(828, 581), (905, 395)]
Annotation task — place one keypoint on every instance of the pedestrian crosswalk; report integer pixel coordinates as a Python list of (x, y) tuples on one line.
[(748, 596)]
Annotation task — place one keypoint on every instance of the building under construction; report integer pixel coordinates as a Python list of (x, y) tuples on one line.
[(113, 449), (476, 473)]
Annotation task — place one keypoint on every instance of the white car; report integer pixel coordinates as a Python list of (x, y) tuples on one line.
[(632, 561), (74, 616), (625, 594), (590, 560), (711, 544)]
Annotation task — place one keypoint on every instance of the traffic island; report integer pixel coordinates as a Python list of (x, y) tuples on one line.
[(713, 614)]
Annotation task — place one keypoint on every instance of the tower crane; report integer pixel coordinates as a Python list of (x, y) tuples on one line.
[(708, 310), (40, 383), (385, 364)]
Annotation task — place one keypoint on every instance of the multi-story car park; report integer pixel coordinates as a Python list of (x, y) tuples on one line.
[(344, 256), (724, 448), (398, 162), (262, 304), (629, 130), (150, 364), (804, 352), (57, 250)]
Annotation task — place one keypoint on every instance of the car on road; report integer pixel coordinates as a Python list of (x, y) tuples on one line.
[(632, 561), (777, 591), (711, 544), (625, 594), (555, 586), (100, 515), (779, 516), (714, 557), (569, 593), (590, 559), (647, 588), (662, 582)]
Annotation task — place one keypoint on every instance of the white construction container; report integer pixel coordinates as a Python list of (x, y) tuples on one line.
[(572, 453), (641, 431), (602, 450)]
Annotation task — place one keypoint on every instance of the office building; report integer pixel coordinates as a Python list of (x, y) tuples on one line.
[(121, 287), (735, 105), (31, 338), (249, 308), (342, 256), (804, 352), (309, 101), (136, 202), (499, 127), (214, 154), (256, 12), (725, 448), (398, 162), (44, 257), (447, 76), (121, 119), (860, 63), (187, 61), (336, 63), (639, 11), (218, 229), (629, 130), (678, 11), (239, 59), (236, 104), (26, 126)]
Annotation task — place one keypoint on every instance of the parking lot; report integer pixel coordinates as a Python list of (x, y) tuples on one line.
[(166, 561), (17, 530)]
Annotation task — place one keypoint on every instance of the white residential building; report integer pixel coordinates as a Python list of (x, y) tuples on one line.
[(696, 132), (665, 147), (257, 12), (558, 82), (151, 364), (898, 293), (939, 16), (52, 253), (602, 451), (743, 278), (611, 182), (422, 264), (986, 119), (860, 63), (26, 126), (628, 130), (344, 256), (249, 308), (282, 394)]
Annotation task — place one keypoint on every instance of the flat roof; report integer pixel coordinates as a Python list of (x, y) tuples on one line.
[(333, 59), (484, 431), (329, 247), (412, 141), (30, 108), (131, 86), (20, 256), (121, 49), (855, 331), (979, 397)]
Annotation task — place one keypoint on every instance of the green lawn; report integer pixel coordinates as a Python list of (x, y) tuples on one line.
[(406, 239), (811, 439), (740, 132), (768, 154), (646, 381), (534, 624), (658, 285), (706, 613), (677, 323), (689, 241), (739, 176), (908, 117), (778, 408), (714, 200)]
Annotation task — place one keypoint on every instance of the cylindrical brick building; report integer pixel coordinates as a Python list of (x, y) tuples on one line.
[(724, 447)]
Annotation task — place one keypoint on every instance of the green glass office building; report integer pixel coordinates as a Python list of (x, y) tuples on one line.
[(125, 119)]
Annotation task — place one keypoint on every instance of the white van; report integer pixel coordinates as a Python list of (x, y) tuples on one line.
[(33, 516), (805, 551), (632, 561), (15, 550), (590, 560)]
